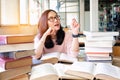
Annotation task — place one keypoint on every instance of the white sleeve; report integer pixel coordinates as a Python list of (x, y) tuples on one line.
[(36, 40)]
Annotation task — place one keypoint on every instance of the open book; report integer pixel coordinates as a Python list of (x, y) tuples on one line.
[(48, 71), (90, 70), (55, 57)]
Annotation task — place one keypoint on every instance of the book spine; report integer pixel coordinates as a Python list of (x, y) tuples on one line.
[(10, 63), (7, 55), (3, 40)]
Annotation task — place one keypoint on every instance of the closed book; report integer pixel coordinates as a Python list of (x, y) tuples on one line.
[(19, 38), (16, 47), (95, 33), (12, 73), (17, 54), (99, 38), (21, 54), (94, 58), (98, 43), (98, 54), (10, 63), (98, 49), (21, 77), (99, 59)]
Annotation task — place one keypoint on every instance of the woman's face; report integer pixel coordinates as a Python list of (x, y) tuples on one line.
[(53, 20)]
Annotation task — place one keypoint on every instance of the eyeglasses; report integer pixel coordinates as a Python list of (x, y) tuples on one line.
[(52, 19)]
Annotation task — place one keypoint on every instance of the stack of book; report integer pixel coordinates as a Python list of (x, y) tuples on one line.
[(98, 46), (13, 64), (15, 56)]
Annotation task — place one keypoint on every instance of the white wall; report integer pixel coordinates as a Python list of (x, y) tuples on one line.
[(9, 12), (0, 11)]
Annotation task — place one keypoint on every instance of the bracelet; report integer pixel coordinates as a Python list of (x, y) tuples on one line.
[(75, 36)]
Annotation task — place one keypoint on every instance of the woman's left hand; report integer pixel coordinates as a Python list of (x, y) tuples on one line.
[(75, 27)]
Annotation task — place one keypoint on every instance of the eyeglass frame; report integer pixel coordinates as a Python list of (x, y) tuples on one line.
[(52, 19)]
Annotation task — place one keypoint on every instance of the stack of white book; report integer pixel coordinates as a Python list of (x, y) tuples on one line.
[(98, 46)]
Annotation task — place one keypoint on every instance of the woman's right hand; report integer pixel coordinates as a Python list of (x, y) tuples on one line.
[(50, 31)]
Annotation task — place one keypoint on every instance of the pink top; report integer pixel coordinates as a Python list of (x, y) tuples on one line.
[(65, 47)]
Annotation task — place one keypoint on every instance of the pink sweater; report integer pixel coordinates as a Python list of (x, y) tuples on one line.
[(65, 47)]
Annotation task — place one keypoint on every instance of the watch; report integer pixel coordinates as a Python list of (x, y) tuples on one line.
[(75, 36)]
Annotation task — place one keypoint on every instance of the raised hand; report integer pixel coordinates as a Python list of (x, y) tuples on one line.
[(75, 26)]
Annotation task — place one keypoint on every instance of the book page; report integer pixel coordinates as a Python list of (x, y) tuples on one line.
[(65, 58), (43, 71), (107, 71), (81, 69), (50, 55), (60, 68)]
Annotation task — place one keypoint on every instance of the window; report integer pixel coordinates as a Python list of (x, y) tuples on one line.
[(35, 9), (24, 12), (67, 10), (30, 11)]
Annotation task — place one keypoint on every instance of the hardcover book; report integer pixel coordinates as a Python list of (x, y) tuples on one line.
[(99, 38), (18, 38), (98, 49), (12, 73), (16, 47), (17, 54), (10, 63), (98, 54), (21, 77), (98, 43), (95, 33), (99, 59)]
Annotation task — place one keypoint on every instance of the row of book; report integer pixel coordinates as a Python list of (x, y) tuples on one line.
[(99, 46)]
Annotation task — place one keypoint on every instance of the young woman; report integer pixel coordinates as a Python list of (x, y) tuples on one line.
[(52, 38)]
